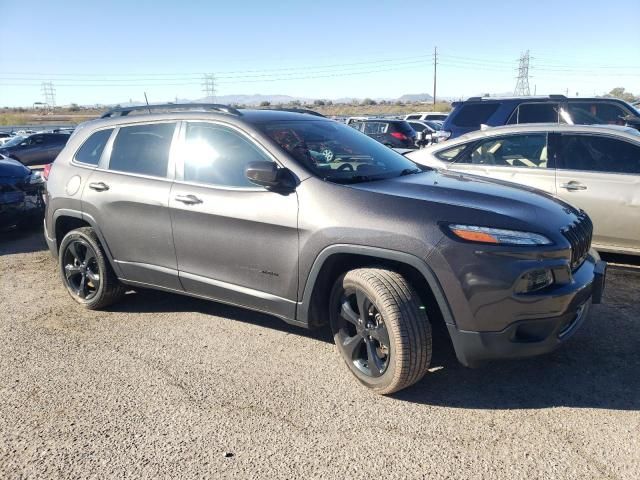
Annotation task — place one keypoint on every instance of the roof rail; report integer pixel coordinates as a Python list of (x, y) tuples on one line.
[(558, 97), (294, 110), (124, 111)]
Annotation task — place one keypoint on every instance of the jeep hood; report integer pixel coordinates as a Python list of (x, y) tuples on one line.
[(480, 193)]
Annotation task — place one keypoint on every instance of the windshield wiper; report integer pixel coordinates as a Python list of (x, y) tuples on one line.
[(410, 171)]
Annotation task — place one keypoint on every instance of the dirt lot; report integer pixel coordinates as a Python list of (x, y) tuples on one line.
[(168, 386)]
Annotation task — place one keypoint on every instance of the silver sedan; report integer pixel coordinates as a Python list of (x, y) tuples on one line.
[(596, 168)]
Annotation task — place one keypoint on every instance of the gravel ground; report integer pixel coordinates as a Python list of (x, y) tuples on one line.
[(166, 386)]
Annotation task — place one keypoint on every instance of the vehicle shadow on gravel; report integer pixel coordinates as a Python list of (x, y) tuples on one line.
[(598, 368), (26, 239), (152, 301)]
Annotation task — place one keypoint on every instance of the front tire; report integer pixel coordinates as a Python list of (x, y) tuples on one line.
[(86, 272), (380, 329)]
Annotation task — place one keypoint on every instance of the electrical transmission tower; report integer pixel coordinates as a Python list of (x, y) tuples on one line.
[(522, 86), (209, 86), (49, 92)]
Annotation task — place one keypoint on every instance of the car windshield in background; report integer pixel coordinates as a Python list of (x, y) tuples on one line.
[(435, 124), (13, 142), (337, 152)]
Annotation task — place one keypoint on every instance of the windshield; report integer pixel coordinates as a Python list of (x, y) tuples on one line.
[(337, 152), (435, 124), (17, 140)]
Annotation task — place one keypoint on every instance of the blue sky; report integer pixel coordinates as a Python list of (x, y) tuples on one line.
[(108, 52)]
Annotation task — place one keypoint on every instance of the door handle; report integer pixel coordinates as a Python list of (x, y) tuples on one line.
[(573, 185), (188, 199), (99, 186)]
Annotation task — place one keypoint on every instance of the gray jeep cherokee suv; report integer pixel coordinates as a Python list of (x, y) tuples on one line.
[(246, 207)]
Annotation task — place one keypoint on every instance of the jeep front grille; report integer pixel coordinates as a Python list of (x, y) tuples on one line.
[(579, 235)]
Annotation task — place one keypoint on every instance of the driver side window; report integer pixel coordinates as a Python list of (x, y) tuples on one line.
[(217, 155)]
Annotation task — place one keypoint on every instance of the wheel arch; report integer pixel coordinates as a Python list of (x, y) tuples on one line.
[(65, 220), (338, 259)]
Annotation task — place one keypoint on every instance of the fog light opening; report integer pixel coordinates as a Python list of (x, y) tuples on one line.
[(534, 280)]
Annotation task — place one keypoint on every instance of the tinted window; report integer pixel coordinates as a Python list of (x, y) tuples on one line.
[(474, 114), (599, 154), (537, 113), (143, 149), (217, 155), (510, 151), (413, 117), (374, 128), (587, 113), (418, 127), (92, 148)]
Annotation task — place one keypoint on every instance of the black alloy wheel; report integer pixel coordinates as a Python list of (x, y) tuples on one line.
[(81, 269), (362, 334)]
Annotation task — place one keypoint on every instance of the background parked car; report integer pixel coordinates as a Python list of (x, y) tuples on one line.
[(471, 114), (392, 133), (425, 129), (36, 149), (426, 116), (596, 168), (20, 194)]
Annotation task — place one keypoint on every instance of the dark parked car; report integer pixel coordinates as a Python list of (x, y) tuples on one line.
[(20, 194), (36, 149), (471, 114), (231, 205), (392, 133)]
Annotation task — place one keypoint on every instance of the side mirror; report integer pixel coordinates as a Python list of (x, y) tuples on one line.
[(267, 174)]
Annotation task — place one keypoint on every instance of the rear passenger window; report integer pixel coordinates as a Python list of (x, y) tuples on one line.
[(91, 150), (529, 151), (475, 114), (217, 155), (537, 113), (143, 149), (599, 154)]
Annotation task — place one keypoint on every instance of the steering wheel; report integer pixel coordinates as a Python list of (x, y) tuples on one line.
[(346, 166)]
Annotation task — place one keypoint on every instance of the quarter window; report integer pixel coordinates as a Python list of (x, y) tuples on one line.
[(450, 154), (529, 151), (143, 149), (91, 150), (599, 154), (474, 114), (217, 155)]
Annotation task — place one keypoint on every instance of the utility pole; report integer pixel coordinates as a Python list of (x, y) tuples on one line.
[(522, 85), (435, 70), (209, 86)]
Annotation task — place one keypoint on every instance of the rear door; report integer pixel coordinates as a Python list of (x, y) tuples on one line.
[(601, 175), (235, 241), (128, 197), (520, 158)]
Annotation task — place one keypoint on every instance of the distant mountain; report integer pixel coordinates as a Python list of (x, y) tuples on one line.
[(416, 97), (257, 99)]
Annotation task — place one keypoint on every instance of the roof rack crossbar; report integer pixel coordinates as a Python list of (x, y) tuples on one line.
[(124, 111)]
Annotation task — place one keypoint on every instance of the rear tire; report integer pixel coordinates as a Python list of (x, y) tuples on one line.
[(86, 271), (389, 347)]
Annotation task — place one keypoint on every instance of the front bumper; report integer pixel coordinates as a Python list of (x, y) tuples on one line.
[(525, 338)]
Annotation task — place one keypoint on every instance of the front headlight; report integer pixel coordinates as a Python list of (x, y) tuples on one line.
[(473, 233)]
